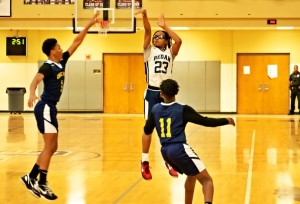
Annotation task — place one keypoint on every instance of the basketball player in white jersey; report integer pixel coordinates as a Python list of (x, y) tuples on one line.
[(158, 59)]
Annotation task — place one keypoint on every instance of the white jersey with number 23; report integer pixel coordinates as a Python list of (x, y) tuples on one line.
[(158, 64)]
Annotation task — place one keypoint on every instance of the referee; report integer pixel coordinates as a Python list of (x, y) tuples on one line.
[(295, 89)]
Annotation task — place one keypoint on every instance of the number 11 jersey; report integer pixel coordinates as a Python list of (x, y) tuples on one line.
[(170, 120)]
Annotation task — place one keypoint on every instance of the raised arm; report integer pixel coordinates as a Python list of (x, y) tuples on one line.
[(176, 46), (79, 38), (147, 27)]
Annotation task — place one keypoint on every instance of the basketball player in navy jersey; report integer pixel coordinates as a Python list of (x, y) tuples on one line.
[(52, 72), (158, 63), (170, 118)]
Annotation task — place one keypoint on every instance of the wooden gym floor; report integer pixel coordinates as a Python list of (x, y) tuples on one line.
[(99, 155)]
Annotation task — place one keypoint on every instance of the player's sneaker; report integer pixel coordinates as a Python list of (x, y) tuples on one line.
[(172, 171), (45, 191), (146, 174), (29, 183)]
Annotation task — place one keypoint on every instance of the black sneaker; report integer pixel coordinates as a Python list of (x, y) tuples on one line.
[(46, 192), (29, 183)]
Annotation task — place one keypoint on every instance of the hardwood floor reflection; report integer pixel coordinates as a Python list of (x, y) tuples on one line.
[(98, 160)]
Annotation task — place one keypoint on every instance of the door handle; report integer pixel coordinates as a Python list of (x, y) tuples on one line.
[(126, 87), (131, 87), (266, 87), (259, 87)]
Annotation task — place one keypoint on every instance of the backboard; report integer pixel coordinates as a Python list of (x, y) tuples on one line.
[(119, 12)]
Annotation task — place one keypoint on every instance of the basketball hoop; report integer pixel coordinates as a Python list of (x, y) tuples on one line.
[(102, 27)]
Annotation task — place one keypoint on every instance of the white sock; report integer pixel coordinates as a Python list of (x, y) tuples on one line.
[(145, 157)]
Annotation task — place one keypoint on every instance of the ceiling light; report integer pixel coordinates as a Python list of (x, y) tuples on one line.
[(285, 28), (180, 28), (78, 28)]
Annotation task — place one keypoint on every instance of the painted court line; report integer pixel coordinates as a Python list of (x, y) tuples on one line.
[(195, 130), (127, 191), (248, 189)]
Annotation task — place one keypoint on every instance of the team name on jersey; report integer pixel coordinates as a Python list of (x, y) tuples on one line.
[(161, 56), (60, 74)]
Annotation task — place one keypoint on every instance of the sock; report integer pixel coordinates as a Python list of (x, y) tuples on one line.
[(145, 157), (208, 203), (35, 171), (43, 176)]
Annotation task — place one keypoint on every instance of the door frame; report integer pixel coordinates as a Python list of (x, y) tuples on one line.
[(256, 53), (103, 65)]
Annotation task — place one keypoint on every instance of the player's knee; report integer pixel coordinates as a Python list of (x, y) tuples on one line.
[(204, 178), (53, 148), (210, 180)]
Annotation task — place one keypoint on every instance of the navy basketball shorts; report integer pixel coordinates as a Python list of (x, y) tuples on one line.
[(151, 97), (45, 114), (182, 158)]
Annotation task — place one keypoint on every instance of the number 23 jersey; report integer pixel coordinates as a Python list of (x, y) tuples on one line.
[(158, 65)]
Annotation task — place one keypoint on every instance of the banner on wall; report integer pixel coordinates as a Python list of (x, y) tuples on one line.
[(90, 4), (5, 8), (126, 4), (120, 4), (49, 2)]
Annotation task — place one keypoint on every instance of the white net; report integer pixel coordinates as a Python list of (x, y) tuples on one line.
[(102, 27)]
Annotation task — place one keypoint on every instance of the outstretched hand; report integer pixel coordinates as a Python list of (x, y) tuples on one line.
[(94, 18), (142, 11), (231, 121), (161, 21)]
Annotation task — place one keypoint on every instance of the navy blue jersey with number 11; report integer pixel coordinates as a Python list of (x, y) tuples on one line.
[(170, 120)]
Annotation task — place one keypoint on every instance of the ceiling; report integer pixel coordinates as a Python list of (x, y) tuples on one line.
[(185, 14)]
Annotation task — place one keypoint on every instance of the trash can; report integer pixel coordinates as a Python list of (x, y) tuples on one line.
[(15, 99)]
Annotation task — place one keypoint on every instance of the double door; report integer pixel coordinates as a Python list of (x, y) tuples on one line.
[(263, 83), (124, 83)]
